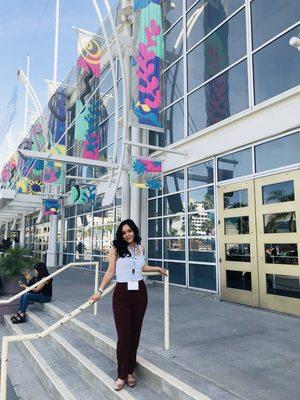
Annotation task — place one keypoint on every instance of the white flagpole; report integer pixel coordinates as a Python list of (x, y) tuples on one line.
[(56, 41), (26, 96)]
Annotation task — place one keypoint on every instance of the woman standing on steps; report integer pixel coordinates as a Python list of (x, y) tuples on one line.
[(126, 260)]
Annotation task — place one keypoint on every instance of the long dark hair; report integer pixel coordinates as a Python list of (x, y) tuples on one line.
[(120, 244), (41, 270)]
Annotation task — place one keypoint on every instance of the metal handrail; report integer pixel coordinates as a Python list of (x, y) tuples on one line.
[(34, 336), (60, 270)]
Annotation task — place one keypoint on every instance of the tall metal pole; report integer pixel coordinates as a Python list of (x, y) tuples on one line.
[(52, 249), (26, 96)]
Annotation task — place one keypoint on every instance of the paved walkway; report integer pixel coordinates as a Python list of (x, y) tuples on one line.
[(225, 350)]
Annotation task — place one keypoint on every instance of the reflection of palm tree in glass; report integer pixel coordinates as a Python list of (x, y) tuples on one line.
[(286, 218), (208, 226), (279, 196)]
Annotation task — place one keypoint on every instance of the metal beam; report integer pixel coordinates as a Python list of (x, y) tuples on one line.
[(66, 159), (149, 146)]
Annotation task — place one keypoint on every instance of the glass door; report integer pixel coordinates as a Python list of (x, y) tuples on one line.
[(278, 225), (237, 243)]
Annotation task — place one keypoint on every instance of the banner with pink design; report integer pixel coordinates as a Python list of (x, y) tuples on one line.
[(146, 173), (147, 64)]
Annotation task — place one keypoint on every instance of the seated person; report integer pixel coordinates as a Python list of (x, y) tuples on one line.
[(40, 294)]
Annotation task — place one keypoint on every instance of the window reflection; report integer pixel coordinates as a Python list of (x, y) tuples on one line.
[(154, 207), (237, 252), (174, 226), (174, 122), (270, 65), (236, 225), (234, 165), (283, 285), (202, 223), (201, 199), (268, 18), (201, 174), (284, 222), (236, 199), (173, 83), (220, 98), (172, 10), (174, 204), (154, 227), (278, 192), (281, 253), (174, 249), (173, 44), (176, 272), (202, 249), (202, 276), (238, 280), (154, 249), (174, 182), (221, 49), (281, 151)]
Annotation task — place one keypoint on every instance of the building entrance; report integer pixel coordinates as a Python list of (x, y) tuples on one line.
[(259, 224)]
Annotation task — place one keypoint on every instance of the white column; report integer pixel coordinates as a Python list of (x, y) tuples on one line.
[(135, 198), (26, 97), (52, 249), (6, 230), (22, 231), (126, 199)]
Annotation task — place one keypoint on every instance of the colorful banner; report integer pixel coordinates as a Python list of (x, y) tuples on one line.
[(83, 194), (53, 171), (8, 173), (146, 173), (89, 51), (51, 206), (147, 64)]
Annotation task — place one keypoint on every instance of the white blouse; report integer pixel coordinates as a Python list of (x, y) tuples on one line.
[(126, 265)]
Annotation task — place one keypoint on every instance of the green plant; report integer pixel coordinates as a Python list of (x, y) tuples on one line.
[(15, 261)]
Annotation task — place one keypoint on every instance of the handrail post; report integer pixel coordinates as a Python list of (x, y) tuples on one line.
[(97, 265), (166, 312), (4, 361)]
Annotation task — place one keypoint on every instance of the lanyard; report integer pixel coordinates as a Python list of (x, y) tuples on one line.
[(133, 258)]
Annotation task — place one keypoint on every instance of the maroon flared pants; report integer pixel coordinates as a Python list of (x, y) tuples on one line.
[(129, 308)]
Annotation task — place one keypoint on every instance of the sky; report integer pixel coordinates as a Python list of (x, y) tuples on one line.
[(27, 26)]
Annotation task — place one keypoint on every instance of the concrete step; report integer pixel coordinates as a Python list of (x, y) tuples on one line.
[(89, 362), (59, 379), (159, 380), (21, 377)]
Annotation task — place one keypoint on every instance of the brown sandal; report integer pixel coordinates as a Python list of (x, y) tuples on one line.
[(119, 386)]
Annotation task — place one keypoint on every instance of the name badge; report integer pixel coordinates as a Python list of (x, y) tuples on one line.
[(132, 285)]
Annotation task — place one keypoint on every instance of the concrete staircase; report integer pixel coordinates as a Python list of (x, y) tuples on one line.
[(78, 362)]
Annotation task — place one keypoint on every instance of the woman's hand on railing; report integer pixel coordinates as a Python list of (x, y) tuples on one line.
[(95, 297), (163, 271)]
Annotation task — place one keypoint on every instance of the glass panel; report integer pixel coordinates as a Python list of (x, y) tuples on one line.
[(237, 252), (154, 249), (201, 174), (236, 225), (201, 199), (203, 276), (174, 182), (202, 224), (280, 222), (283, 285), (174, 204), (236, 199), (221, 49), (270, 66), (238, 280), (281, 253), (202, 249), (220, 98), (173, 79), (174, 122), (278, 192), (173, 44), (174, 249), (177, 272), (154, 193), (154, 208), (270, 17), (172, 10), (154, 227), (206, 15), (278, 153), (234, 165), (70, 223), (174, 226)]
